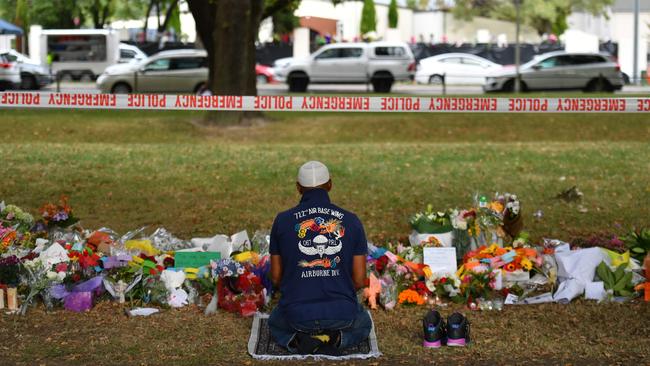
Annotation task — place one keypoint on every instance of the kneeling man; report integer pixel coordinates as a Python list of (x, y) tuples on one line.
[(318, 260)]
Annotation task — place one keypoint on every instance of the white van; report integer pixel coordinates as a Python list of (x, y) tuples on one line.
[(80, 54)]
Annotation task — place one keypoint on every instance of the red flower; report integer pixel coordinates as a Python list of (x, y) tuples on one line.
[(168, 262), (88, 260), (76, 277), (381, 263), (152, 271), (443, 280)]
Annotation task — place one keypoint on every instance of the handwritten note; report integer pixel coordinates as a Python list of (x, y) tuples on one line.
[(442, 261)]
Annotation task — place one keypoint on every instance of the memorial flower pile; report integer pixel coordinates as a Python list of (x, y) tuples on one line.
[(67, 265), (59, 263)]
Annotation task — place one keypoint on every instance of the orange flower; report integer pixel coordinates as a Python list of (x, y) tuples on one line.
[(410, 297)]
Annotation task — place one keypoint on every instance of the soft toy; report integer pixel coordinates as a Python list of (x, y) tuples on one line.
[(372, 291)]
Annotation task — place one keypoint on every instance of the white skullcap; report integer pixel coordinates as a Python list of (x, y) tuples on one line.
[(313, 174)]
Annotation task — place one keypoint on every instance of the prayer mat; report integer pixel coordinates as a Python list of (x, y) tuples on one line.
[(262, 346)]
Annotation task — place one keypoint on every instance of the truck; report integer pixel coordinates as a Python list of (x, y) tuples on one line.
[(377, 63), (74, 54)]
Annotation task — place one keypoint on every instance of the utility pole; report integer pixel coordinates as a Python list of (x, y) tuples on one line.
[(517, 51), (635, 62)]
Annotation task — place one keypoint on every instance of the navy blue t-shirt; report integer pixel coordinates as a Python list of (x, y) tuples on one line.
[(316, 241)]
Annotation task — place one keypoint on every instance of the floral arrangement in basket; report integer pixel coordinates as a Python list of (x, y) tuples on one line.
[(430, 222), (239, 288)]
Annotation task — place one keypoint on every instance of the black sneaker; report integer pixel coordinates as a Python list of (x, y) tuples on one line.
[(434, 330), (457, 330), (331, 347), (306, 344)]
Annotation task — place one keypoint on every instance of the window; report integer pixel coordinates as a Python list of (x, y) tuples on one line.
[(187, 63), (390, 51), (351, 52), (158, 65), (77, 48), (587, 59), (451, 60), (127, 54), (471, 62), (331, 53), (9, 57)]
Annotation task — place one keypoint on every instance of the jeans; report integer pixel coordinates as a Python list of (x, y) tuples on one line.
[(352, 331)]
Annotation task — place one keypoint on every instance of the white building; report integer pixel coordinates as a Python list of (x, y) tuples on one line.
[(618, 26), (343, 22)]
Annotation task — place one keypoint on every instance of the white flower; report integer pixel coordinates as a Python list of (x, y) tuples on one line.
[(51, 275), (459, 223), (61, 276)]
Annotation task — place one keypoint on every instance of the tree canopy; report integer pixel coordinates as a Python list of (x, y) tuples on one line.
[(368, 17), (548, 16), (393, 16), (64, 14)]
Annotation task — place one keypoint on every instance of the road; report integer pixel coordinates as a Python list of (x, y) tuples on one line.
[(400, 88)]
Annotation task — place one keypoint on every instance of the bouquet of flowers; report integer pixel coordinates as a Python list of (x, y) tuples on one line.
[(9, 268), (38, 278), (239, 289), (430, 222), (507, 258), (7, 237), (476, 284), (14, 216), (443, 286), (58, 215)]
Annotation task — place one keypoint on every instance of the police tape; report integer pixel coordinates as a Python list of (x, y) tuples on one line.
[(322, 103)]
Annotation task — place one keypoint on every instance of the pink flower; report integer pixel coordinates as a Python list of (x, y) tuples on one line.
[(61, 267)]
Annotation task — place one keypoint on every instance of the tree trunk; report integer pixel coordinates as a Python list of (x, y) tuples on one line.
[(237, 25), (168, 14), (205, 14), (146, 20)]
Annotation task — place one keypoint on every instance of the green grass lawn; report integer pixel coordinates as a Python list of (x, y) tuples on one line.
[(126, 169)]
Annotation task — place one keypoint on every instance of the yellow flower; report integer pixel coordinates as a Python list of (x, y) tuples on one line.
[(526, 264), (496, 206)]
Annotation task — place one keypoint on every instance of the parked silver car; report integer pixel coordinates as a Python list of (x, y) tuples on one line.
[(32, 74), (378, 63), (560, 70), (177, 71)]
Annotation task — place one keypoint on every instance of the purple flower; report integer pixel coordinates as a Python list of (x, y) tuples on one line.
[(60, 216)]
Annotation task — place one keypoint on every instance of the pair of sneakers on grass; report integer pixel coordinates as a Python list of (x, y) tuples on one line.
[(455, 332)]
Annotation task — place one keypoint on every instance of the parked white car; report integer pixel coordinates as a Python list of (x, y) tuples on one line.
[(32, 75), (454, 68), (379, 63), (561, 70), (177, 71), (9, 74)]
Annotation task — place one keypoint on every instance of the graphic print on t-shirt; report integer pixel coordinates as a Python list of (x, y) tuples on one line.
[(322, 238)]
